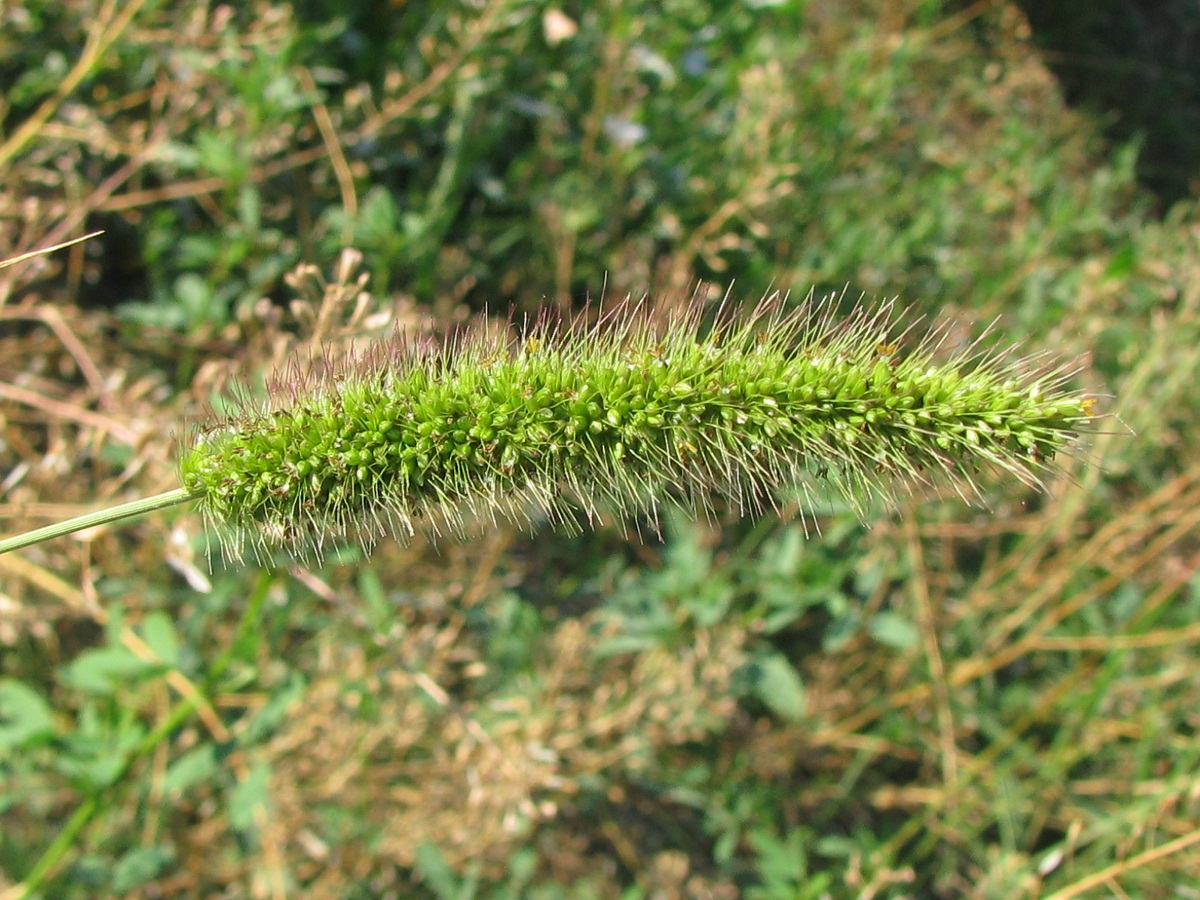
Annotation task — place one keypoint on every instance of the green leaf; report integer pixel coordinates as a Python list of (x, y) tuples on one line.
[(249, 797), (894, 630), (781, 860), (436, 872), (779, 686), (140, 865), (379, 611), (159, 633), (191, 768), (97, 752), (194, 297), (104, 669), (275, 710), (24, 716)]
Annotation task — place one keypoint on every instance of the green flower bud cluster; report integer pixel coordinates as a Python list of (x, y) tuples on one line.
[(621, 419)]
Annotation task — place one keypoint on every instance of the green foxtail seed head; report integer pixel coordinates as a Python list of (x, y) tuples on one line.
[(621, 417)]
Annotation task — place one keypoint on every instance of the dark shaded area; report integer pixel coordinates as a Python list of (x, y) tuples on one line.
[(117, 271), (1136, 62)]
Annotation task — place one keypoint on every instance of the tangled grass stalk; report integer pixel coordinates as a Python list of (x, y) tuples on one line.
[(624, 418)]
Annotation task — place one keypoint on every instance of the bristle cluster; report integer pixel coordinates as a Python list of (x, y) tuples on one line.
[(622, 418)]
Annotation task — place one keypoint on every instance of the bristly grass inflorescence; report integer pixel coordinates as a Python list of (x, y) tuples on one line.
[(622, 417)]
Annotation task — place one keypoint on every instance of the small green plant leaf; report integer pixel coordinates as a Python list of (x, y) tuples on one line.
[(140, 865), (103, 670), (97, 753), (192, 768), (441, 879), (275, 710), (893, 629), (783, 867), (435, 871), (249, 797), (25, 718), (778, 685), (159, 633)]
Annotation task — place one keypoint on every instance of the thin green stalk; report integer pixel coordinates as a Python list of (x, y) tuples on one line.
[(49, 860), (99, 517)]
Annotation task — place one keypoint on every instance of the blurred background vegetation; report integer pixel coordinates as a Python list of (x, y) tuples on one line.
[(942, 702)]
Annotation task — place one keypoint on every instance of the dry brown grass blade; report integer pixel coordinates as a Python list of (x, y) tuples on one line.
[(1107, 876), (42, 251)]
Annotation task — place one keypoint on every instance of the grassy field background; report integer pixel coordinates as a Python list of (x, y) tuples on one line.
[(945, 701)]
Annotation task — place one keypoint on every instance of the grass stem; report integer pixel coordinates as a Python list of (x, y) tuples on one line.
[(99, 517)]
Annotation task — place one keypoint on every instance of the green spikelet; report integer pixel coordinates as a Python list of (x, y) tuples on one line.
[(623, 418)]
